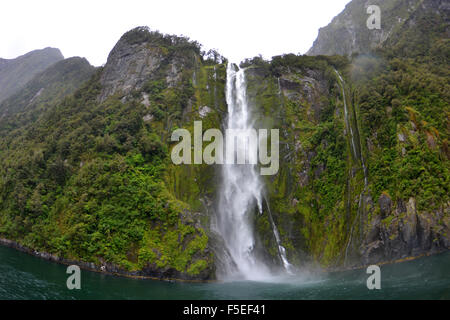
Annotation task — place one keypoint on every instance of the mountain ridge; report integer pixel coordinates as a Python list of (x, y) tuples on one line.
[(15, 73), (58, 80)]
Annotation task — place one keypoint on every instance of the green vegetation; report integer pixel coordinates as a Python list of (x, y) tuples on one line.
[(44, 90), (405, 114), (399, 113), (94, 182), (16, 73)]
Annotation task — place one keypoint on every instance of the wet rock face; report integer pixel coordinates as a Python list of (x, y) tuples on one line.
[(409, 228), (309, 88), (385, 205), (406, 232)]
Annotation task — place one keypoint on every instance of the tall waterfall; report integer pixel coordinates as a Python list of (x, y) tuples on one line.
[(241, 191), (241, 188)]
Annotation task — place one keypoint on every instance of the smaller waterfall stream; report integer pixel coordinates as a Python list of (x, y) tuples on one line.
[(281, 250), (347, 122), (361, 159), (349, 126)]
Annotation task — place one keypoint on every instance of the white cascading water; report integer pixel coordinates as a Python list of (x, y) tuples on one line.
[(241, 191), (347, 122), (281, 250)]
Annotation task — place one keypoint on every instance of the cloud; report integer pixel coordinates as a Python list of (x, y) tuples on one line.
[(238, 29)]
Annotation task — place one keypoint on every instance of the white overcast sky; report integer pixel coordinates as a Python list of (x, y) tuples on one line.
[(238, 29)]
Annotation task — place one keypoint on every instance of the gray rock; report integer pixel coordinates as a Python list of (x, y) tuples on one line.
[(204, 111), (147, 117), (128, 67), (385, 203), (133, 62), (407, 233)]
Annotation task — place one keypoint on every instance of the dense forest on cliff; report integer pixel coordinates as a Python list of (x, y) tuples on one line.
[(364, 158)]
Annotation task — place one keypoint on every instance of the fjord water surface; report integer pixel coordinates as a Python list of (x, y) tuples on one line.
[(23, 276)]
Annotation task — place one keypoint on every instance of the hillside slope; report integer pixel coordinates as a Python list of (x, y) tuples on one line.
[(15, 73), (57, 81)]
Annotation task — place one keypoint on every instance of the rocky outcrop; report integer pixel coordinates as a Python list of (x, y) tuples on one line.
[(139, 57), (402, 231)]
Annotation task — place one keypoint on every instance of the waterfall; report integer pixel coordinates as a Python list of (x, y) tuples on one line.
[(347, 122), (361, 158), (281, 250), (241, 188), (241, 192), (352, 137)]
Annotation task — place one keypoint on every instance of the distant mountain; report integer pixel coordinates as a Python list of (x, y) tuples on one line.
[(47, 87), (348, 33), (15, 73)]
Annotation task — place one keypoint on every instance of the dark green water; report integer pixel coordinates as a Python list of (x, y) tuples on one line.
[(25, 277)]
